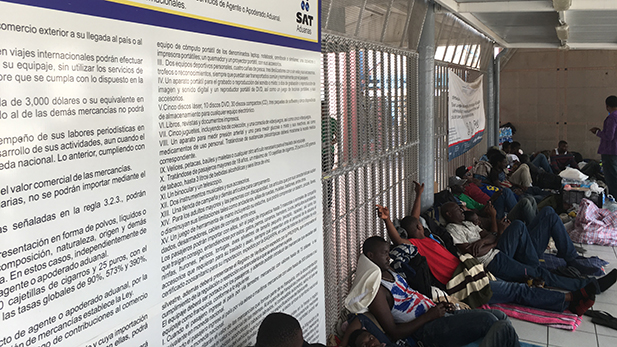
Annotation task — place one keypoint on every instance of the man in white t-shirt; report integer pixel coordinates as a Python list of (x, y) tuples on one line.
[(509, 253)]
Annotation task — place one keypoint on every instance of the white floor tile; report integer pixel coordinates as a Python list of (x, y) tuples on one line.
[(586, 325), (607, 341), (562, 338), (608, 297), (608, 307), (531, 332), (596, 248), (605, 331)]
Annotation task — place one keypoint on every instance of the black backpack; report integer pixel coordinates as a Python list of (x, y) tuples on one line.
[(546, 180), (418, 275), (440, 232)]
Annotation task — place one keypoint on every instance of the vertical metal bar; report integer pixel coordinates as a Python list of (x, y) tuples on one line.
[(426, 102), (397, 104), (361, 102), (340, 118), (335, 190), (375, 121), (382, 106), (359, 23), (389, 124), (386, 21), (326, 226), (497, 82), (348, 111), (490, 119), (414, 161), (396, 129), (406, 28)]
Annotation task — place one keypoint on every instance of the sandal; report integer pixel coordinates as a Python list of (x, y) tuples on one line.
[(602, 318)]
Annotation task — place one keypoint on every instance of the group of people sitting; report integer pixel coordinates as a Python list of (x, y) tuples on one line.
[(511, 168), (493, 224), (496, 225)]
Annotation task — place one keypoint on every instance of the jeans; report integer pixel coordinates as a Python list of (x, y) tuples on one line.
[(463, 327), (547, 224), (525, 210), (542, 162), (505, 202), (522, 294), (609, 166), (518, 259), (537, 193)]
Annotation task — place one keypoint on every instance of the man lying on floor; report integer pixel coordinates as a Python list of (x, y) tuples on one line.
[(442, 265), (502, 199), (525, 209), (404, 312), (510, 253)]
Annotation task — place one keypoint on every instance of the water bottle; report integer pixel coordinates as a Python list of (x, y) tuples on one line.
[(610, 204)]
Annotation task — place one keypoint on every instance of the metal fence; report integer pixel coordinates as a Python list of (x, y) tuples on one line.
[(369, 150), (395, 23), (370, 120)]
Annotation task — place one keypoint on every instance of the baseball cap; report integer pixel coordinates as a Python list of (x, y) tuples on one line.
[(456, 181), (462, 170)]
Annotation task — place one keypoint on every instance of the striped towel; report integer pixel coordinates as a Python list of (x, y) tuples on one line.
[(563, 320), (470, 283)]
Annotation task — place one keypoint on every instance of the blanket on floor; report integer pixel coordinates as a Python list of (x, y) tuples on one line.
[(563, 320), (552, 262)]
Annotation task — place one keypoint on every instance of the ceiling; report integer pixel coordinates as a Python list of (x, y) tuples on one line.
[(591, 24)]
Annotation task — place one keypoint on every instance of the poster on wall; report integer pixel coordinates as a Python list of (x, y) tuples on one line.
[(160, 171), (466, 117)]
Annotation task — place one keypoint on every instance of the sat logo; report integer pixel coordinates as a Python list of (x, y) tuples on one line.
[(304, 18)]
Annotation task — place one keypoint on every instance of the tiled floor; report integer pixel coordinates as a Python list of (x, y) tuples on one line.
[(587, 334)]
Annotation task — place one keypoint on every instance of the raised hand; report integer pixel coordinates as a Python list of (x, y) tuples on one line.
[(418, 188), (383, 212)]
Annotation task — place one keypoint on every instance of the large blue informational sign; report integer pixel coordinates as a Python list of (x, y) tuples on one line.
[(160, 171)]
